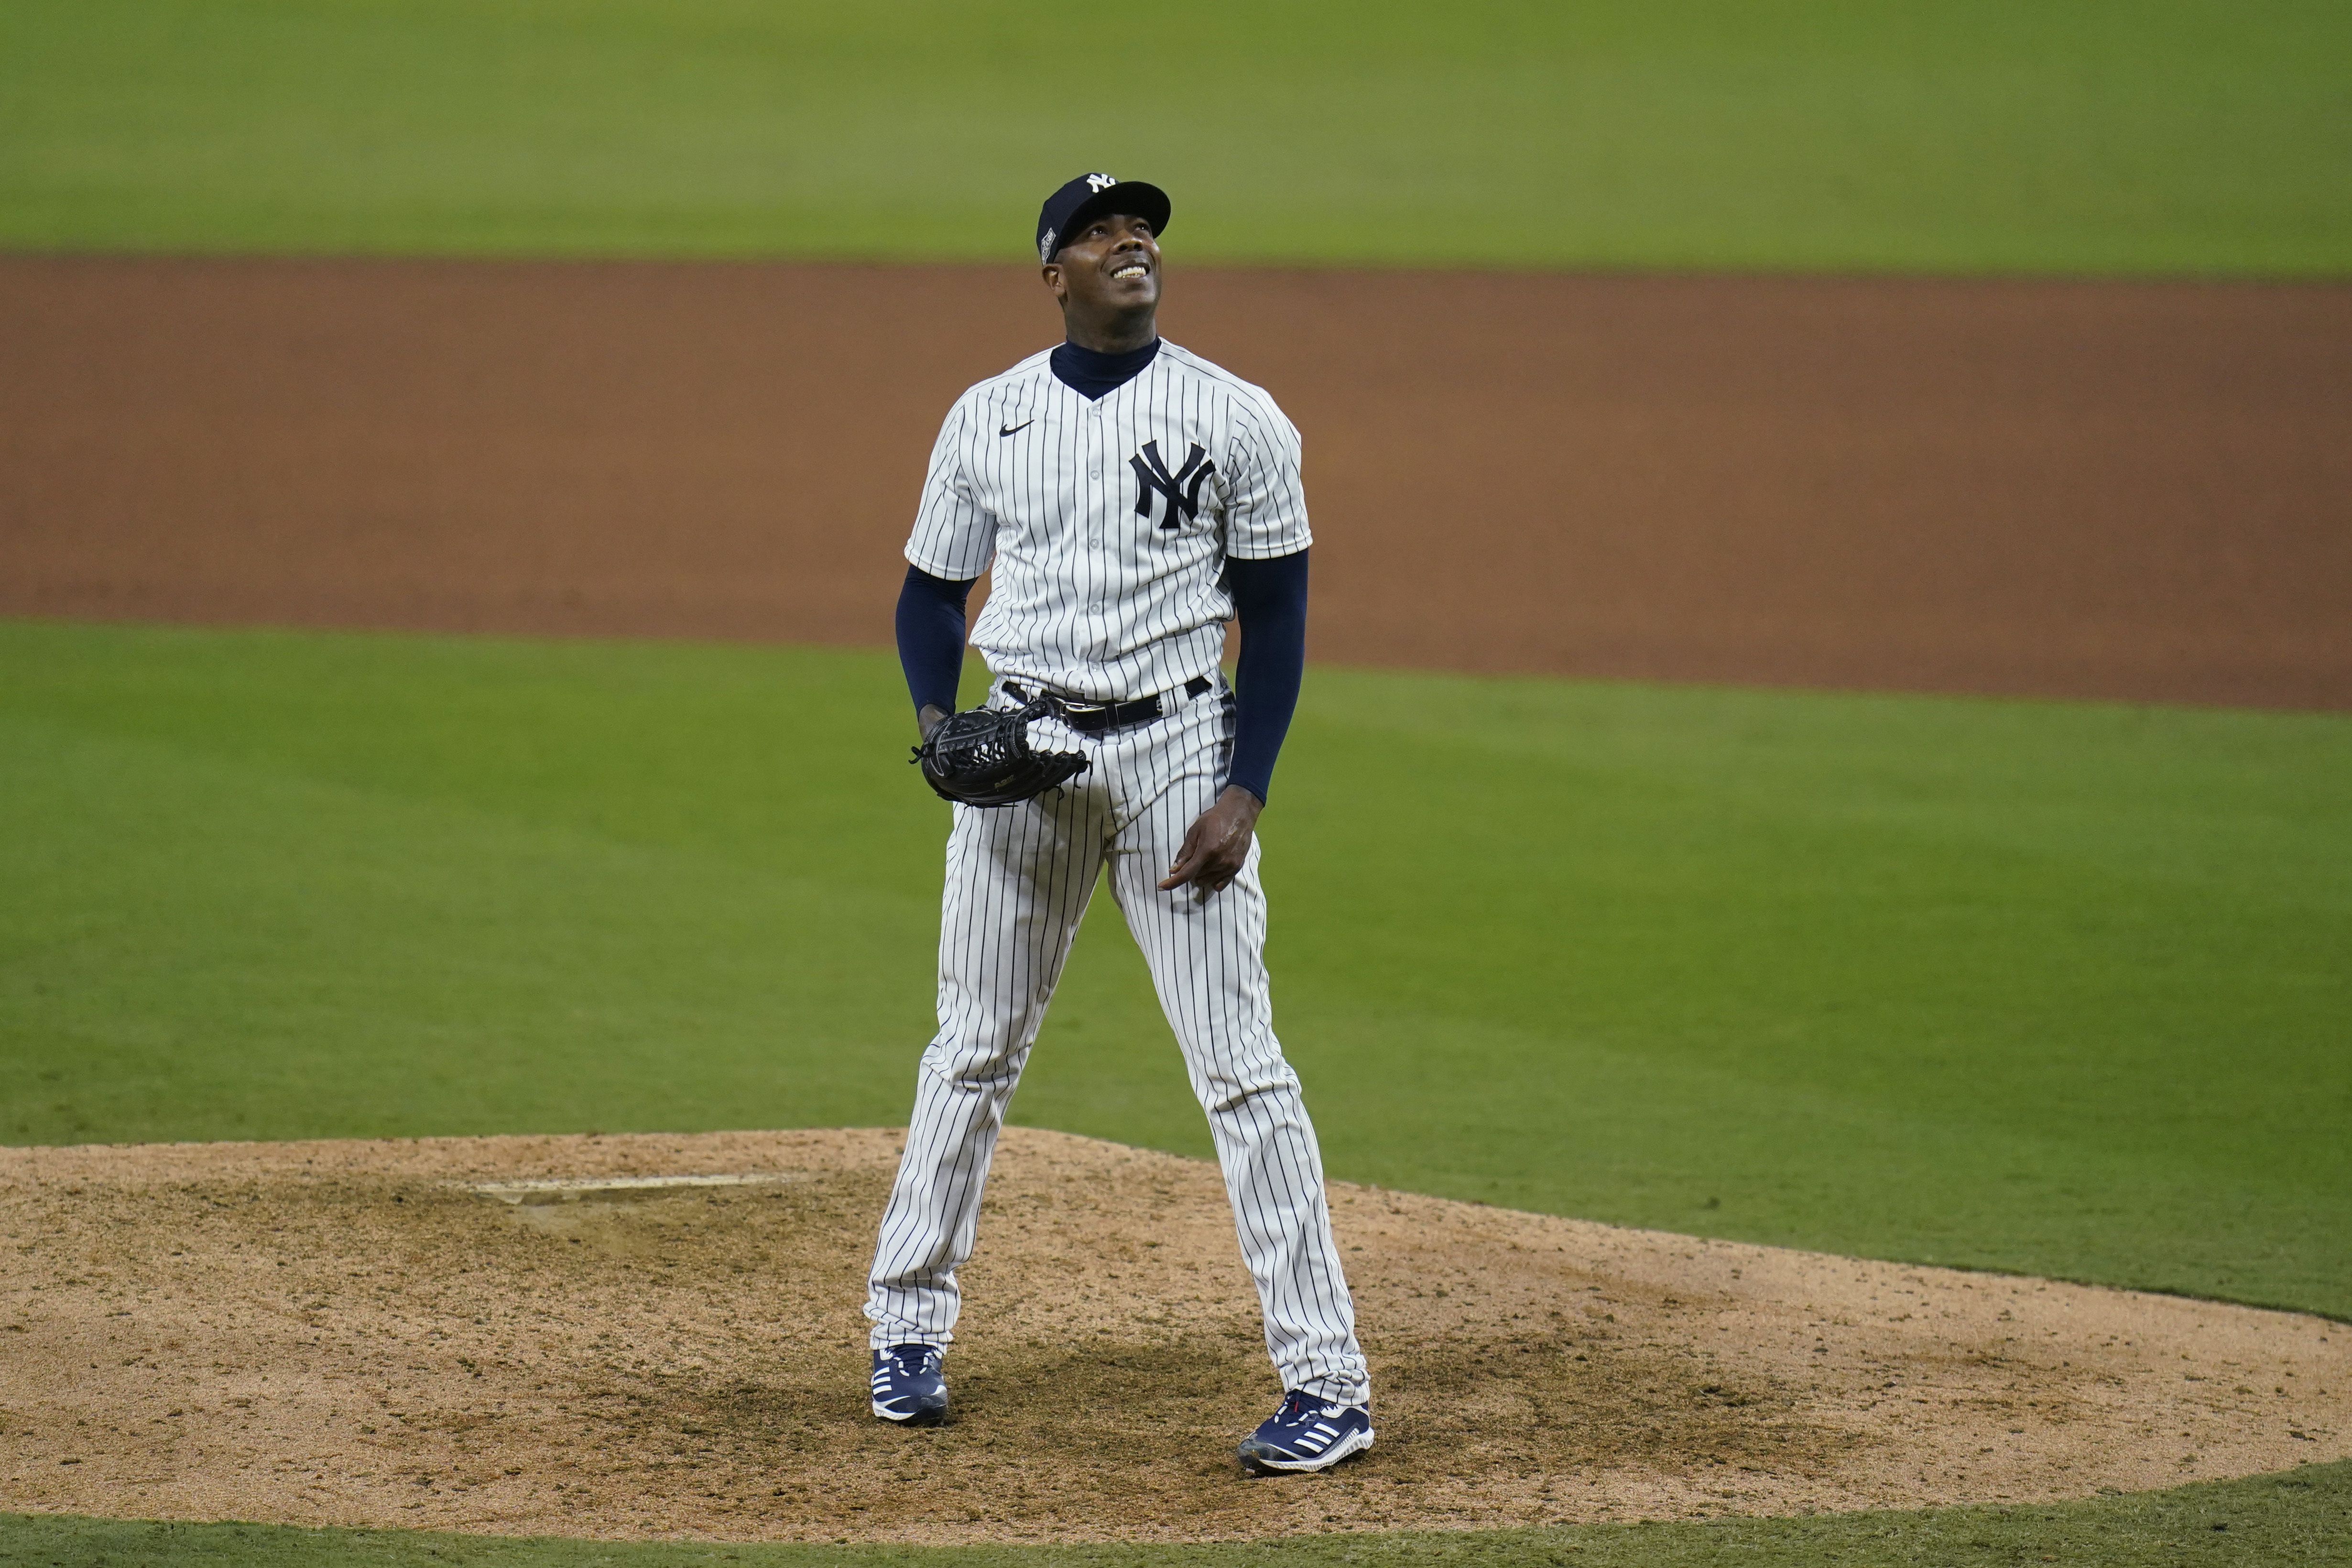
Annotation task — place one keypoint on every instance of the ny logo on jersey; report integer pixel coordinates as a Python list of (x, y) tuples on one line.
[(1180, 489)]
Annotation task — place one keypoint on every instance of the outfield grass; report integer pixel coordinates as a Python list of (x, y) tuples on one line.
[(2127, 136), (2301, 1517), (2059, 988)]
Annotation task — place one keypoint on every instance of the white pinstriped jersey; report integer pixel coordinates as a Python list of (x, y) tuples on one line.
[(1108, 522)]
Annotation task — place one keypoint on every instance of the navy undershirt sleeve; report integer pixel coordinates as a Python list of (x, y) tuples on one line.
[(1270, 596), (930, 637)]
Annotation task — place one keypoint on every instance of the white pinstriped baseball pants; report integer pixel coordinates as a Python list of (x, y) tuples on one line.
[(1018, 881)]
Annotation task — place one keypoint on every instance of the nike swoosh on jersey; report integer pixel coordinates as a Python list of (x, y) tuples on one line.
[(1016, 429)]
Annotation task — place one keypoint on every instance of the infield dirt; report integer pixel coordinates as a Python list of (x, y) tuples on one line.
[(350, 1333), (2070, 488)]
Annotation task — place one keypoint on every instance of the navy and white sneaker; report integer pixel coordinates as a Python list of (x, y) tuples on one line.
[(1307, 1434), (908, 1387)]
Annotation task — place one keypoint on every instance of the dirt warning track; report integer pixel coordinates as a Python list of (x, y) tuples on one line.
[(360, 1334), (2105, 490)]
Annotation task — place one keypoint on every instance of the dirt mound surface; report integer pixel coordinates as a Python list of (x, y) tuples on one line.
[(2071, 489), (358, 1334)]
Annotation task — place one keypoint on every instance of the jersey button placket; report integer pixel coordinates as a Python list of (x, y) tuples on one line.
[(1097, 505)]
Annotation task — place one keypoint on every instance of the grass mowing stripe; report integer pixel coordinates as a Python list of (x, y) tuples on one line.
[(2164, 136), (2301, 1516), (376, 946), (2048, 987)]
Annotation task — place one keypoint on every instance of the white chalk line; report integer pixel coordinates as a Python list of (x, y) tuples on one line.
[(573, 1189)]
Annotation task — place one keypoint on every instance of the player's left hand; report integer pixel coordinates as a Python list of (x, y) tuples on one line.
[(1216, 844)]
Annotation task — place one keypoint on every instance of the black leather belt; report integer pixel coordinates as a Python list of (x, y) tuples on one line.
[(1100, 717)]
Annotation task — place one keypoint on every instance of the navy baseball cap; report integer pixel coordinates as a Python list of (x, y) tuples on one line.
[(1089, 196)]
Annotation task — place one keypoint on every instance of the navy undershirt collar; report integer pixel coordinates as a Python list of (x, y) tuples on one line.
[(1093, 374)]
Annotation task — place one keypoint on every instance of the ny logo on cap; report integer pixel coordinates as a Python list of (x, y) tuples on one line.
[(1099, 184), (1182, 488)]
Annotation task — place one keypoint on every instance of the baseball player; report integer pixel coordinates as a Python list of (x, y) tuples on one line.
[(1132, 498)]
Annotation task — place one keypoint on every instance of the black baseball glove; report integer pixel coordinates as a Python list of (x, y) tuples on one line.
[(983, 757)]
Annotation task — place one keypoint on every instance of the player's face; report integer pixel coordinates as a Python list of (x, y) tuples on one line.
[(1110, 267)]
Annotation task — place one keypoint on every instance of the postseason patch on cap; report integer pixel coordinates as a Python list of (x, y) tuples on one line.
[(1096, 185)]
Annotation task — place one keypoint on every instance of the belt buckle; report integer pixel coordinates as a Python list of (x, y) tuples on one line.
[(1087, 718)]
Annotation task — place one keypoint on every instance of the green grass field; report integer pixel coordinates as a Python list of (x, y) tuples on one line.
[(2302, 1517), (2066, 989), (2125, 136)]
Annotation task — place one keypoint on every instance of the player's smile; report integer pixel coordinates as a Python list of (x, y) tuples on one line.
[(1135, 256), (1132, 281), (1129, 265)]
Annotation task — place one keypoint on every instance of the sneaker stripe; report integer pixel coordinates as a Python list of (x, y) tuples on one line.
[(1306, 1434)]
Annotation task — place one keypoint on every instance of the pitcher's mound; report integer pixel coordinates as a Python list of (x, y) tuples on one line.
[(495, 1335)]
